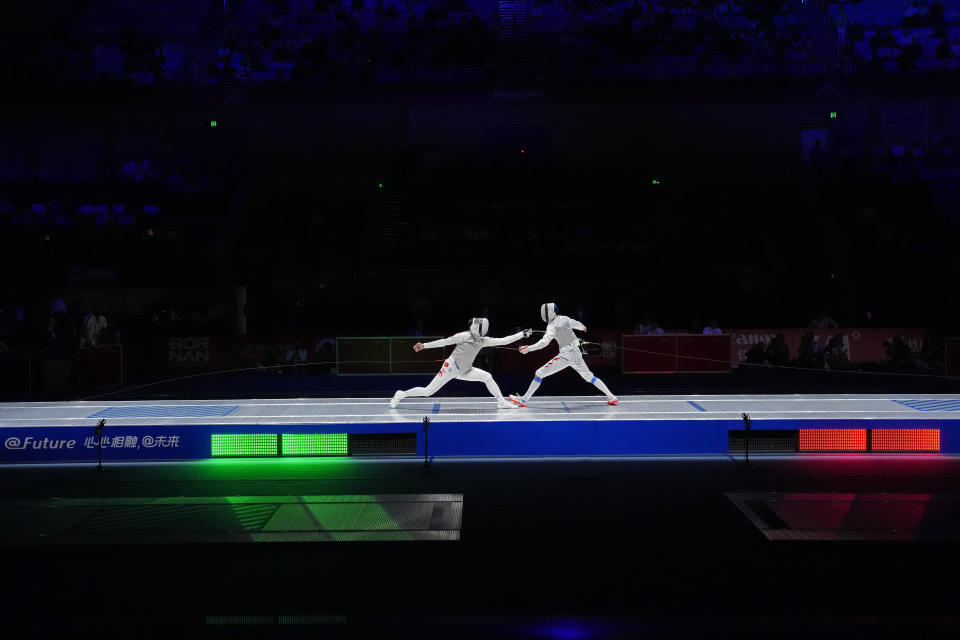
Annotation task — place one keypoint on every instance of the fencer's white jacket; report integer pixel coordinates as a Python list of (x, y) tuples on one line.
[(561, 330), (468, 347)]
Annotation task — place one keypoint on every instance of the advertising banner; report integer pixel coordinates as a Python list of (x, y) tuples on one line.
[(672, 353), (190, 352), (79, 444), (860, 344), (125, 443)]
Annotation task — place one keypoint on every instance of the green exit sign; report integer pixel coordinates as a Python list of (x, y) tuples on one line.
[(213, 123), (834, 115)]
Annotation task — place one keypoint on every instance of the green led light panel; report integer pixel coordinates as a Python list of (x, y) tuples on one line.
[(315, 444), (235, 445)]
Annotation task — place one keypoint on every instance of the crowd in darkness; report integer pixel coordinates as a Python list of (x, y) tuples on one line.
[(840, 243), (408, 248), (906, 35), (395, 42), (694, 31), (406, 238)]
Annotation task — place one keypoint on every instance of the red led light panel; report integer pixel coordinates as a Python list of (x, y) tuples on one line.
[(927, 440), (833, 439)]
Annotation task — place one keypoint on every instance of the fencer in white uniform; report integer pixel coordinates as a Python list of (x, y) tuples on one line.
[(460, 363), (561, 329)]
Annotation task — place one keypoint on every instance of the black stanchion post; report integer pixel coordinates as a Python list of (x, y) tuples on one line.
[(746, 466), (98, 432), (425, 468), (426, 442), (746, 439)]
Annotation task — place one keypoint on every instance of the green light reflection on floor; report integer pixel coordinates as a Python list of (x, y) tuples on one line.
[(267, 468), (358, 517), (367, 515)]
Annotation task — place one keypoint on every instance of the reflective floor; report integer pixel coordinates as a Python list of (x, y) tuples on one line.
[(587, 548)]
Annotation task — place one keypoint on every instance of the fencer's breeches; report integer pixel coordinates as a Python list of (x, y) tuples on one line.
[(571, 359), (450, 371)]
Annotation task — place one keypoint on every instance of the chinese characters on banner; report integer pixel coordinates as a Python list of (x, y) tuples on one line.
[(134, 442)]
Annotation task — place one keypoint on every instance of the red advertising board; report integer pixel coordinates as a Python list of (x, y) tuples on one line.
[(863, 344), (703, 353), (672, 353)]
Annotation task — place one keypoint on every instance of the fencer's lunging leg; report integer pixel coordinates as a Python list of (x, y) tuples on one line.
[(604, 389), (550, 368), (479, 375), (443, 377), (438, 381), (586, 374)]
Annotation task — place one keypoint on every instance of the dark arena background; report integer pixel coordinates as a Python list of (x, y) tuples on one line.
[(226, 226)]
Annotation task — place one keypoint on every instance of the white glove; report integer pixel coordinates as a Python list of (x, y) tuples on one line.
[(527, 332)]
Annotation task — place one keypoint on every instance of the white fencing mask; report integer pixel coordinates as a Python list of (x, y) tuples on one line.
[(479, 327), (548, 312)]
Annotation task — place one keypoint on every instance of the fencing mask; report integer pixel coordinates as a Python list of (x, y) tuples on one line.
[(548, 312), (479, 327)]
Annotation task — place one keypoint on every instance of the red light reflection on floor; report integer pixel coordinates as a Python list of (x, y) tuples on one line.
[(846, 512)]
